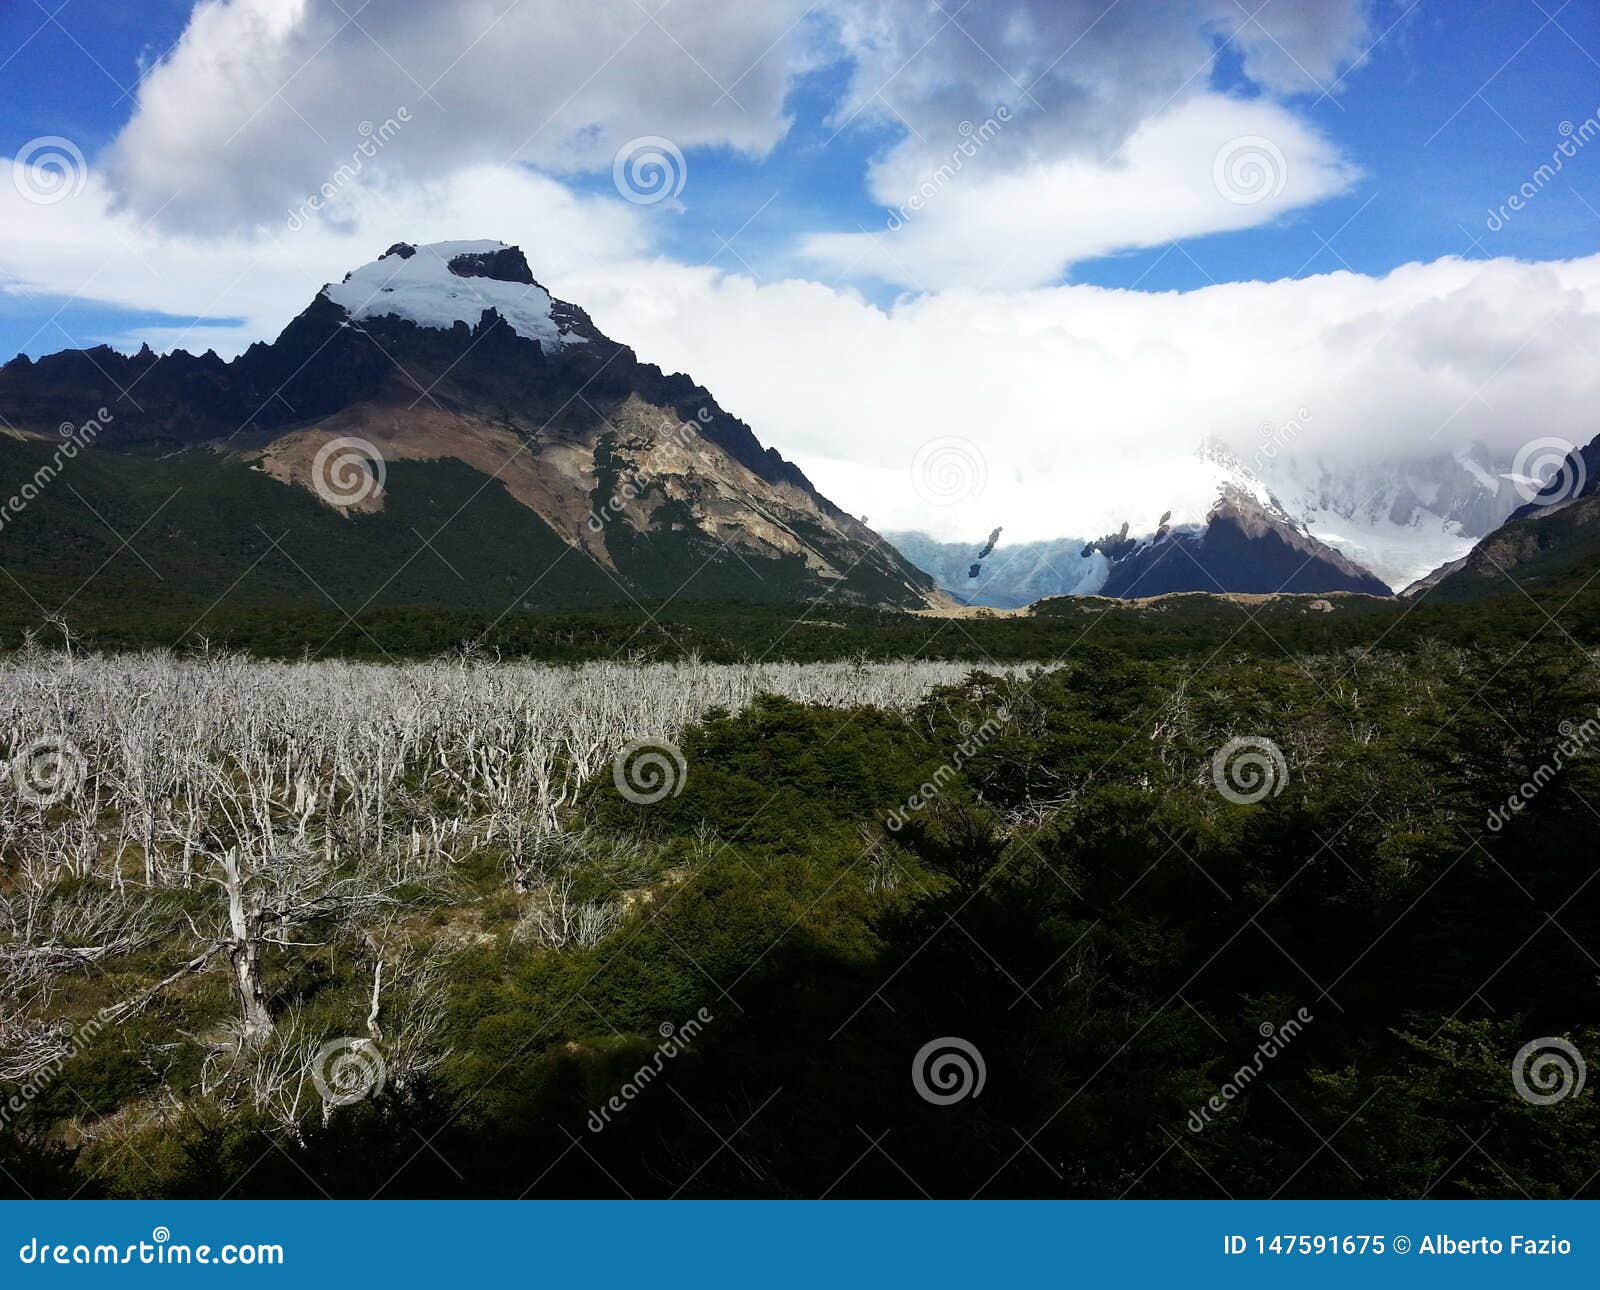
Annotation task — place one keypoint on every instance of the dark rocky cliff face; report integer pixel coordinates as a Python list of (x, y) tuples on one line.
[(1238, 550), (1242, 546), (1578, 477), (1556, 533)]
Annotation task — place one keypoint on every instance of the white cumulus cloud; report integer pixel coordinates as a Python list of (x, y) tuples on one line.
[(261, 99), (1213, 165)]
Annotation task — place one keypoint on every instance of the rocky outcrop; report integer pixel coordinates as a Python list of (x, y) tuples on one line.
[(1242, 546), (1558, 530)]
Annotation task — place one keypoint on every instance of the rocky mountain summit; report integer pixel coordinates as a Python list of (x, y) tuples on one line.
[(434, 360)]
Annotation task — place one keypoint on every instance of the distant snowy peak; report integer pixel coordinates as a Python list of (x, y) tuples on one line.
[(1226, 532), (440, 284), (1207, 520), (1399, 518), (1233, 481), (1468, 487), (1184, 492)]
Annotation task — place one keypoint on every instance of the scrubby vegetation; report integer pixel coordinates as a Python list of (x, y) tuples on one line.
[(1169, 627), (295, 929)]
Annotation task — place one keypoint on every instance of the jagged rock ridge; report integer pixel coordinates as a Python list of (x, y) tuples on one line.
[(1221, 529), (454, 352)]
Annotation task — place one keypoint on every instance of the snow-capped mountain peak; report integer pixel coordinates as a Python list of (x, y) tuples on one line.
[(1227, 478), (1203, 522), (1400, 519), (440, 284)]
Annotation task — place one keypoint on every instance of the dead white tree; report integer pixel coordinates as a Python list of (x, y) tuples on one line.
[(273, 903), (45, 934), (407, 1014), (274, 1076), (401, 766), (553, 918), (59, 931), (29, 1042)]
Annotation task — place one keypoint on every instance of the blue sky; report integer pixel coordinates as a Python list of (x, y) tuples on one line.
[(1453, 110), (1454, 107)]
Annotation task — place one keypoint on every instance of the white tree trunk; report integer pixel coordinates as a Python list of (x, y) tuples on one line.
[(244, 956)]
